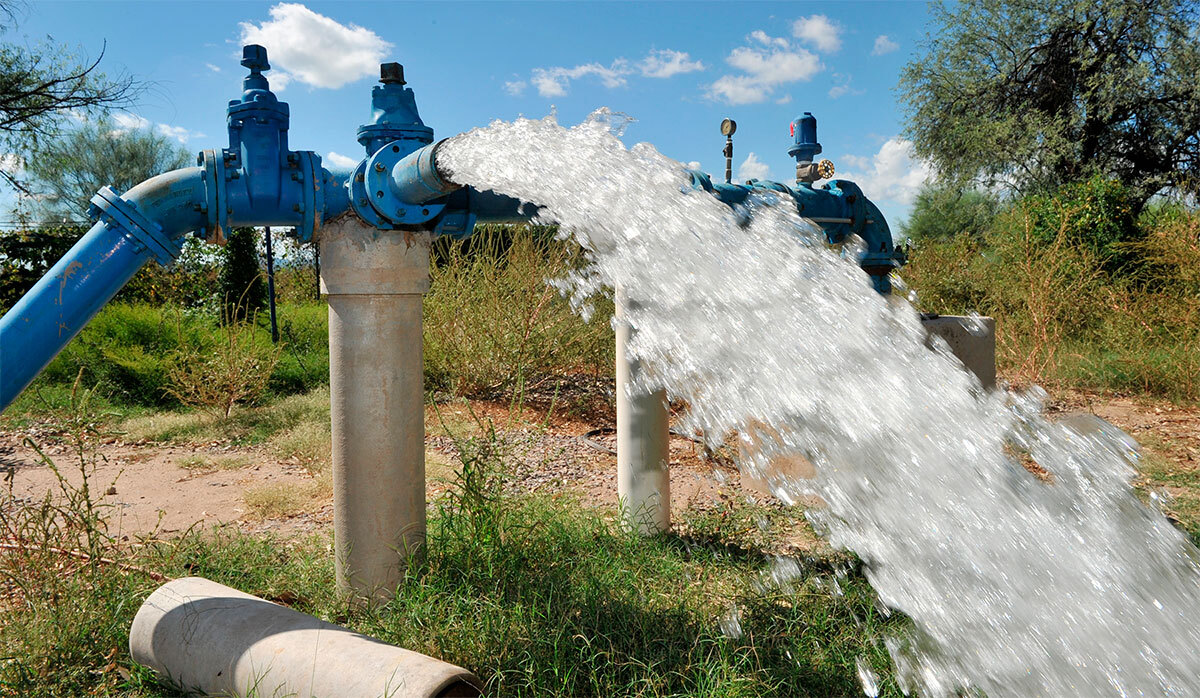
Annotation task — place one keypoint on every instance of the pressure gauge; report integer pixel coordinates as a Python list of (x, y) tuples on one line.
[(728, 127)]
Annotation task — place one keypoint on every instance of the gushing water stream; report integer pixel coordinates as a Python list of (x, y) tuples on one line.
[(1016, 587)]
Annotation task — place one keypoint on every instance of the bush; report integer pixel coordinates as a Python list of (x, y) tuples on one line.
[(1083, 294), (493, 326)]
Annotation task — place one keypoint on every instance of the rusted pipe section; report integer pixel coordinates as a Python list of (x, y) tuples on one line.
[(210, 639)]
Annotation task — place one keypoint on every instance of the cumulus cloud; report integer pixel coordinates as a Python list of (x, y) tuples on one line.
[(515, 87), (765, 65), (314, 49), (553, 82), (892, 174), (818, 31), (753, 168), (883, 45), (665, 63), (341, 161)]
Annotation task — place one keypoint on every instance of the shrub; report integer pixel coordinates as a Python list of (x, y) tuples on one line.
[(236, 369), (493, 326), (241, 285)]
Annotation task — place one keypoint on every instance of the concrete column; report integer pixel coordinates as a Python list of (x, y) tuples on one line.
[(208, 638), (973, 341), (643, 439), (375, 281)]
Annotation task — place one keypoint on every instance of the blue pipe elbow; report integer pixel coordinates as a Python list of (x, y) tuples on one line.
[(145, 224)]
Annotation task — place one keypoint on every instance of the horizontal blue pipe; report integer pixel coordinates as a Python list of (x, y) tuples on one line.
[(51, 313)]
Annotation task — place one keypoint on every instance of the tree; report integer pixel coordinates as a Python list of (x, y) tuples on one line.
[(41, 86), (1037, 93), (242, 291), (941, 212), (66, 171)]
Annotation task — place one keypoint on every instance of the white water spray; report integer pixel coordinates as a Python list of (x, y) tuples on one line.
[(1016, 587)]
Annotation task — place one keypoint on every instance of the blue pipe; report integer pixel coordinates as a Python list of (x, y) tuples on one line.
[(146, 224)]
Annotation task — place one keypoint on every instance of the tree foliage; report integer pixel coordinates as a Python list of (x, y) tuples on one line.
[(1036, 94), (242, 290), (941, 212), (42, 85), (66, 171)]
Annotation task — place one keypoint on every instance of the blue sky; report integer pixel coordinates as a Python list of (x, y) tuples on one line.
[(678, 68)]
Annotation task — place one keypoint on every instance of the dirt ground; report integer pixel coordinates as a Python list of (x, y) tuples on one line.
[(161, 490)]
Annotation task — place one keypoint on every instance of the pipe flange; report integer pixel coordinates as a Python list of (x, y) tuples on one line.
[(360, 202), (110, 207), (313, 194), (216, 202), (379, 190)]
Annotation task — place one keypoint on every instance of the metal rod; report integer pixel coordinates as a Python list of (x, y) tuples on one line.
[(728, 159), (271, 287)]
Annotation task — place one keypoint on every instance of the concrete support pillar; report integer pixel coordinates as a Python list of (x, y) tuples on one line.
[(375, 281), (973, 341), (643, 481)]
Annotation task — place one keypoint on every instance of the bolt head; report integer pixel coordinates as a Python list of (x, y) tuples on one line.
[(379, 167)]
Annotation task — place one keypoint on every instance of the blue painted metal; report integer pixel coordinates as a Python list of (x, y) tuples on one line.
[(131, 232), (394, 116), (256, 180), (839, 208), (804, 139)]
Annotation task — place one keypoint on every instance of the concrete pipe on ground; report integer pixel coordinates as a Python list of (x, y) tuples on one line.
[(208, 638), (375, 281), (643, 446)]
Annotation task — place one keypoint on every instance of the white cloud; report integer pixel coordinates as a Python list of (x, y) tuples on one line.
[(766, 40), (665, 63), (693, 165), (753, 168), (314, 49), (341, 161), (883, 45), (786, 99), (818, 31), (515, 87), (213, 67), (126, 122), (892, 174), (842, 86), (764, 67), (553, 82), (179, 133), (129, 122)]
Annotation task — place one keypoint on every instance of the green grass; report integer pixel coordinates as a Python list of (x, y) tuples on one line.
[(560, 605), (539, 596)]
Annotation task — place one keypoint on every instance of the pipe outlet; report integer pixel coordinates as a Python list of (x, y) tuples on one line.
[(208, 638)]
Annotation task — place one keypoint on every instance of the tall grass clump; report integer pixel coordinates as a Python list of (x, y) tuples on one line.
[(494, 327)]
